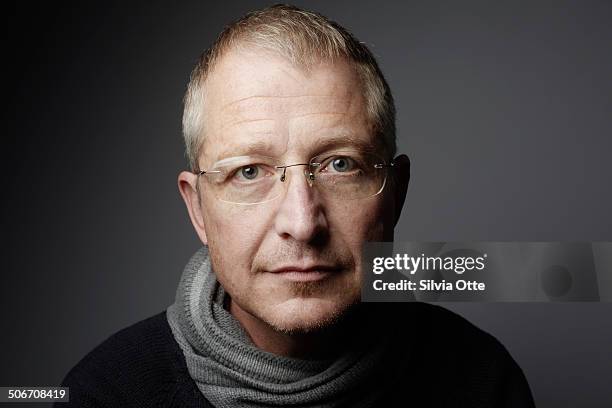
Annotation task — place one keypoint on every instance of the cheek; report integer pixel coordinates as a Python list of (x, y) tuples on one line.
[(360, 223), (234, 234)]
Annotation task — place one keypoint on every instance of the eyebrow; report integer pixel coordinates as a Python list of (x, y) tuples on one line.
[(260, 147), (342, 140)]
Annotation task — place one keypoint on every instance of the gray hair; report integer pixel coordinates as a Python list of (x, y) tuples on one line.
[(304, 38)]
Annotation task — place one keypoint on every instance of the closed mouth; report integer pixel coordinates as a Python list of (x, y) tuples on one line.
[(305, 274)]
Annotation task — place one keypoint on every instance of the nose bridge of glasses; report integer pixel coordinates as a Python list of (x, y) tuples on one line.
[(308, 173)]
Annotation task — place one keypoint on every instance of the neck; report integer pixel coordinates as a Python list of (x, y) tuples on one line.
[(316, 345)]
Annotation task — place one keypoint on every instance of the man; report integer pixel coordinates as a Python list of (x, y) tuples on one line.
[(289, 128)]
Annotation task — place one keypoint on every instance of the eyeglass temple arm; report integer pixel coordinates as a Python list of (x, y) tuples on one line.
[(382, 165), (199, 173)]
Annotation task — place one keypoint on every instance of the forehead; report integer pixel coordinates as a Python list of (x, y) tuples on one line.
[(261, 102)]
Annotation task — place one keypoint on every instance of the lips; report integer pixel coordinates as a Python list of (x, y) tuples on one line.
[(313, 268), (304, 274)]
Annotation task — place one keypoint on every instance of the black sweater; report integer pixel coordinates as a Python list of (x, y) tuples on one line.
[(451, 363)]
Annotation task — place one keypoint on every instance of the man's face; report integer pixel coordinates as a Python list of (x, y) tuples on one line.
[(291, 114)]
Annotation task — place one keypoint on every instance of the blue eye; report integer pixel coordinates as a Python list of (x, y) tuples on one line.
[(340, 164), (249, 172)]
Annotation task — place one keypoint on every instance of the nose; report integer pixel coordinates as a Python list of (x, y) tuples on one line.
[(301, 213)]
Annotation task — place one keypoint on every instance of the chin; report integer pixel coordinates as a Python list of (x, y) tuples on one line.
[(306, 315)]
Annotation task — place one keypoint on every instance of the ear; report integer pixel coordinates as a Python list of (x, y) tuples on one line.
[(401, 175), (187, 187)]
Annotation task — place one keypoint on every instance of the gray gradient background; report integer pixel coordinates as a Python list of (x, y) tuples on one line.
[(503, 109)]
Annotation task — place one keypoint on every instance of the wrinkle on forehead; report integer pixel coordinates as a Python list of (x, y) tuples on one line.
[(268, 112), (268, 104), (252, 123), (255, 97)]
